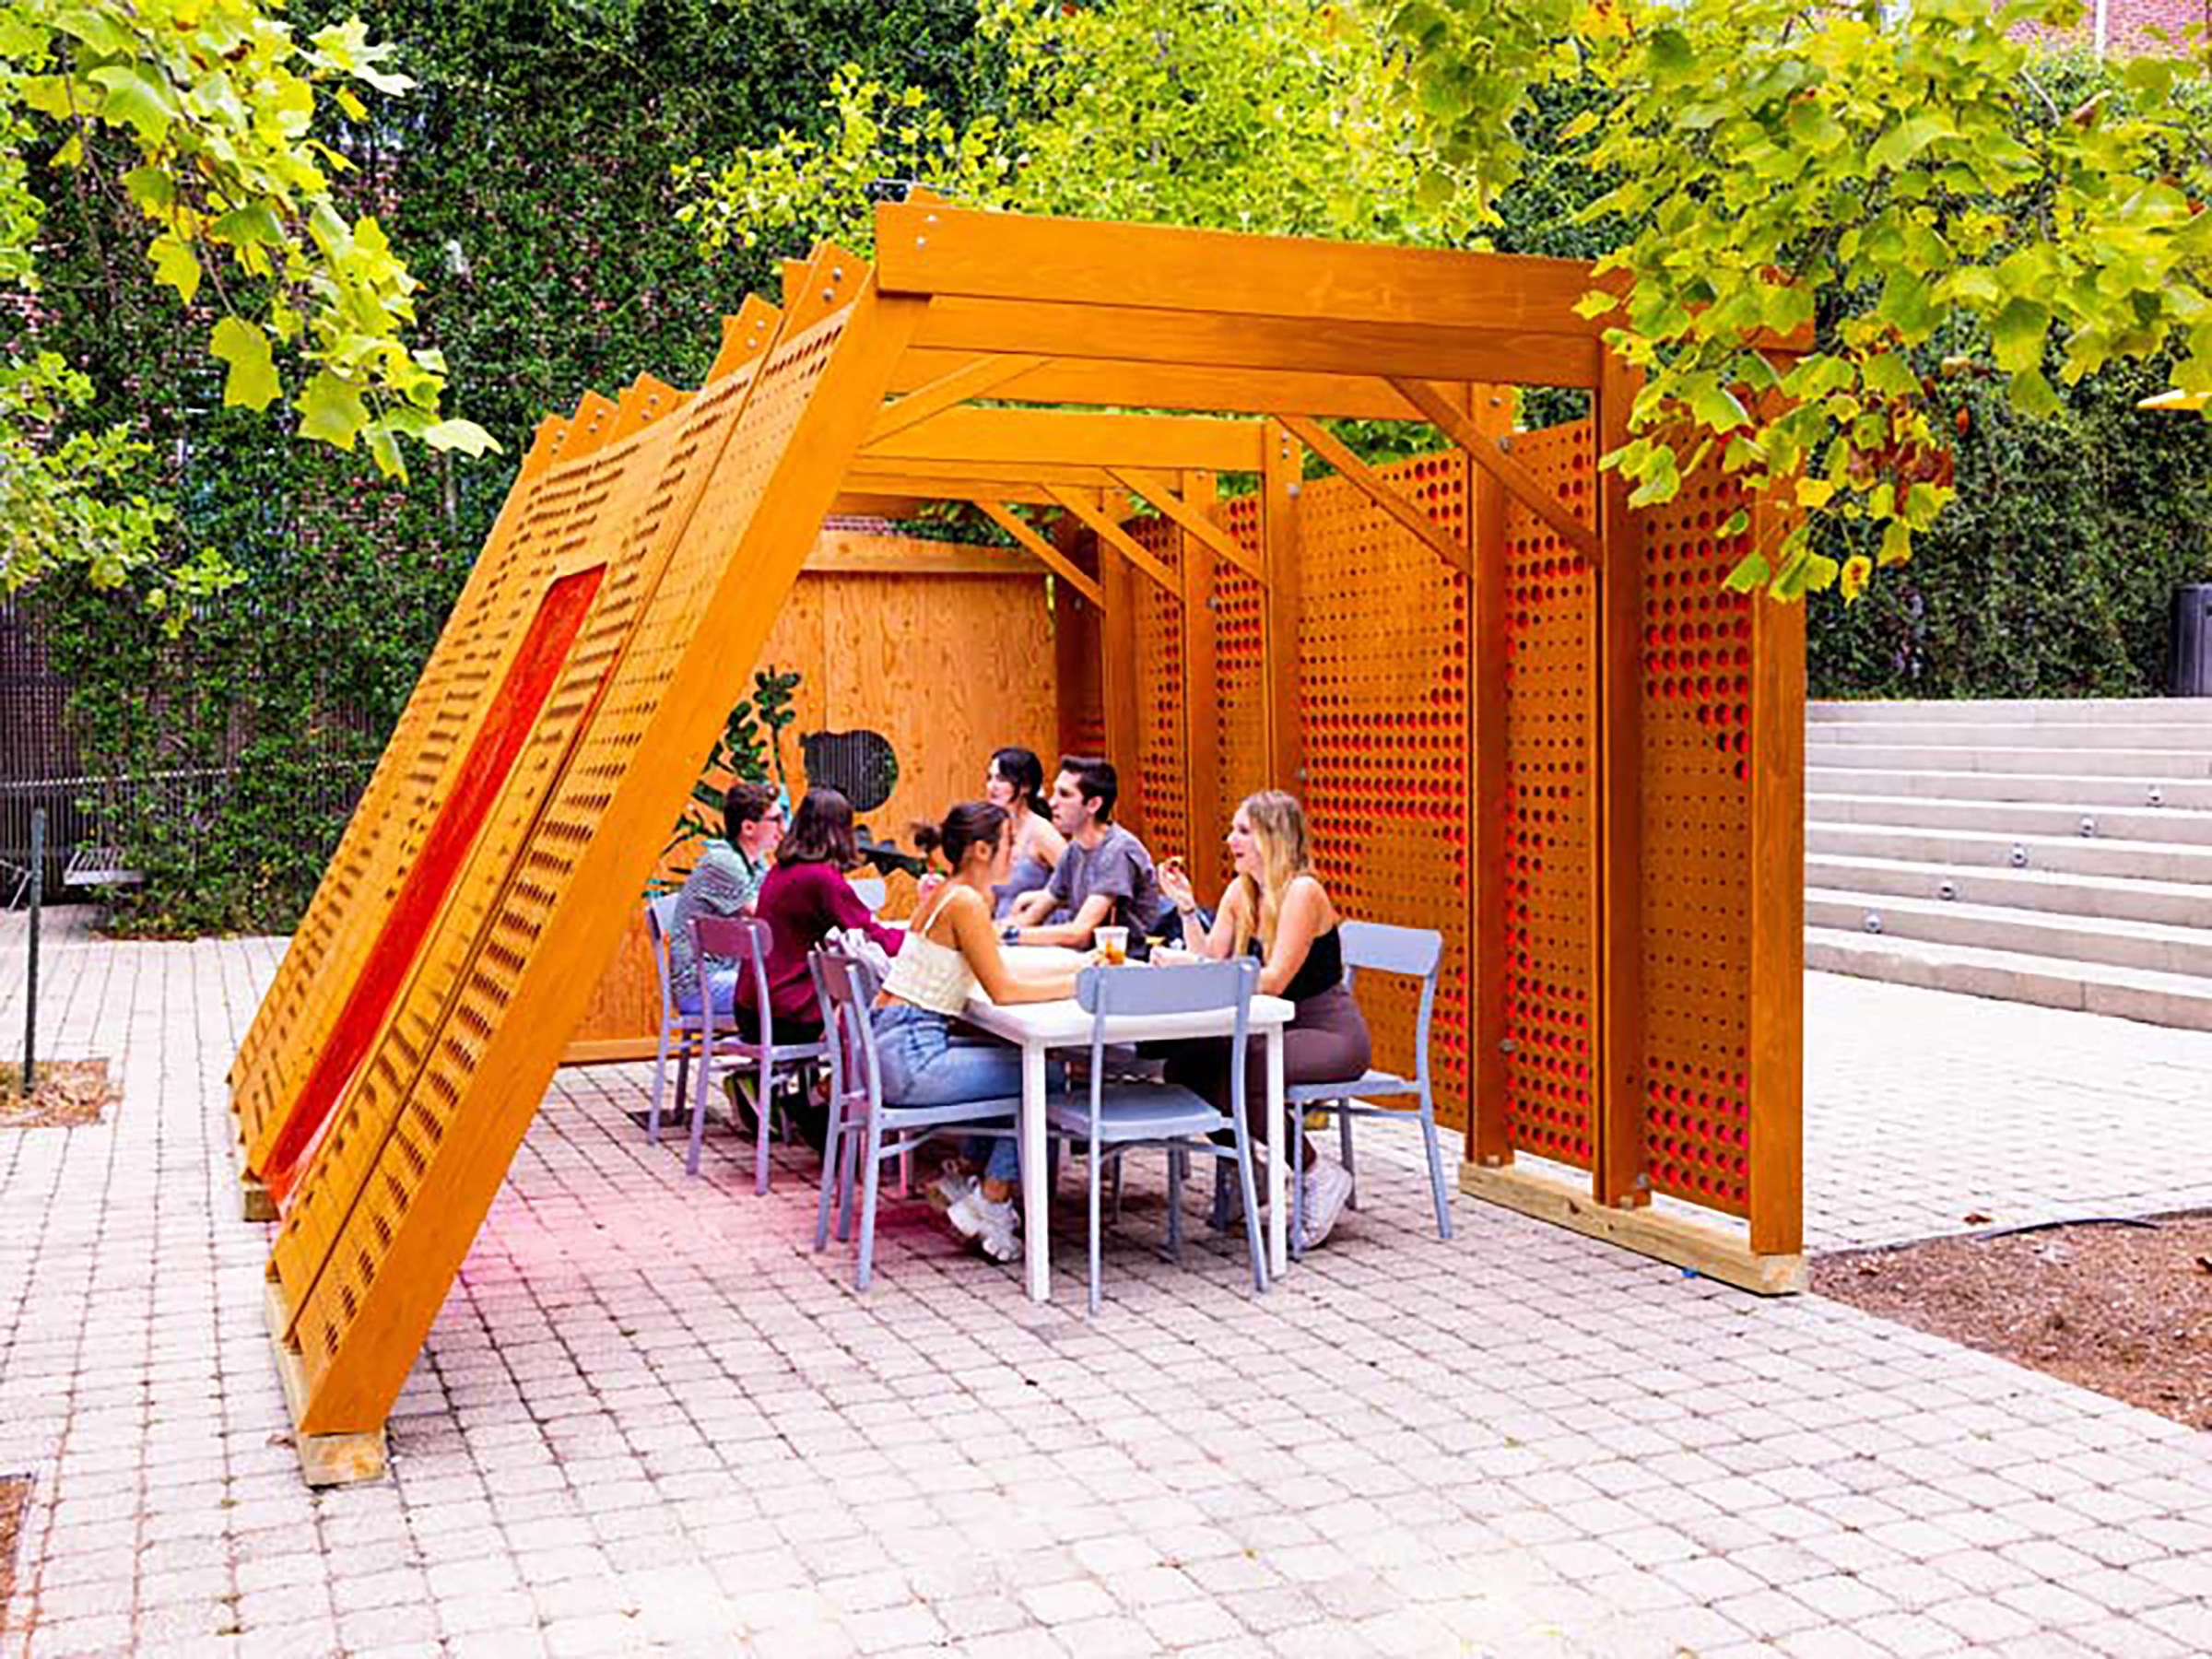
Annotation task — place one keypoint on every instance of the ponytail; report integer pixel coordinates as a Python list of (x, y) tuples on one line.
[(970, 824)]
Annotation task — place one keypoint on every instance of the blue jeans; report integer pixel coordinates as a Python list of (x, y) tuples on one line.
[(722, 985), (921, 1066)]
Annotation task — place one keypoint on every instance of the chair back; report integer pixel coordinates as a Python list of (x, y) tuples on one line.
[(745, 940), (1188, 988), (846, 991), (660, 917), (873, 891), (1416, 952)]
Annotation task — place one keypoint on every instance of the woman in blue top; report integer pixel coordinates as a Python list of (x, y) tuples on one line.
[(1276, 909), (1015, 782)]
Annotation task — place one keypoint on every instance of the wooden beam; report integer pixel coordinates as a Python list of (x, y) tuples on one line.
[(1491, 455), (746, 336), (1489, 967), (1281, 484), (1162, 491), (1196, 339), (850, 504), (1776, 881), (1704, 1251), (1117, 674), (1128, 385), (1076, 475), (1006, 519), (935, 250), (1102, 526), (1619, 1173), (972, 379), (1004, 437), (909, 486), (1379, 489), (848, 553)]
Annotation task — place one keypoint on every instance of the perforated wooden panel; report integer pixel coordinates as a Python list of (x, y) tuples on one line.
[(377, 854), (1696, 779), (1240, 711), (1161, 750), (1382, 704), (501, 960), (1550, 829)]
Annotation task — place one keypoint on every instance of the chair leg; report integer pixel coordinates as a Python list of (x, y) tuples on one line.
[(699, 1107), (762, 1118), (1094, 1227), (1436, 1168), (660, 1083), (1297, 1183), (1343, 1131), (856, 1136), (1177, 1158), (831, 1161), (1253, 1230), (1117, 1189), (869, 1179)]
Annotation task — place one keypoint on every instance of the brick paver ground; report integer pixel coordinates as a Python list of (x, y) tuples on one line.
[(650, 1417)]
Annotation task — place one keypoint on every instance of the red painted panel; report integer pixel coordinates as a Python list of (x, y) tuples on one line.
[(507, 725)]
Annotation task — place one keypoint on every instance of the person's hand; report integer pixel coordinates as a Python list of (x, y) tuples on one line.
[(1175, 882), (1172, 955)]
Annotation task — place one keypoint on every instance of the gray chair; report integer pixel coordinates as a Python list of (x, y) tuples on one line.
[(862, 1130), (1376, 947), (1108, 1119), (679, 1030), (874, 891), (747, 941)]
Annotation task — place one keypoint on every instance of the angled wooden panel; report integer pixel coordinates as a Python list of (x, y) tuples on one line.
[(1383, 696), (558, 902), (1163, 798), (1548, 887), (1239, 704)]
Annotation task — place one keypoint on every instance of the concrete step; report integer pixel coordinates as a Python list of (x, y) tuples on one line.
[(2046, 787), (2154, 947), (2056, 711), (2161, 735), (2059, 854), (2014, 818), (2056, 983), (2110, 898), (2147, 766)]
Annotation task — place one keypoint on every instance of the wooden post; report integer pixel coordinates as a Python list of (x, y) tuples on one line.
[(1202, 732), (1618, 1170), (1282, 481), (1776, 875), (1077, 642), (1117, 667), (1487, 1141)]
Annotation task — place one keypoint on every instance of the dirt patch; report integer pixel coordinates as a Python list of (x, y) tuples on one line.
[(2126, 1311), (15, 1499), (70, 1093)]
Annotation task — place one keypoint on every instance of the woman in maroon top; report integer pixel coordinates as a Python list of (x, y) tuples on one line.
[(805, 897)]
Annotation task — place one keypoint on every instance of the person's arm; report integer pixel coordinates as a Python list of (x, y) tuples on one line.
[(846, 909), (977, 936), (1295, 930), (1048, 845), (1098, 910), (1032, 908)]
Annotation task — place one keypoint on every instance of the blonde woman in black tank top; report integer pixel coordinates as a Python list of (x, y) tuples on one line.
[(1277, 909)]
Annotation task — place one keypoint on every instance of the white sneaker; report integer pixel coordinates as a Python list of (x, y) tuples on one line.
[(1329, 1189), (952, 1185), (992, 1223)]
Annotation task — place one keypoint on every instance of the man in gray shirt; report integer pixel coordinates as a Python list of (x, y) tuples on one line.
[(1105, 878), (724, 883)]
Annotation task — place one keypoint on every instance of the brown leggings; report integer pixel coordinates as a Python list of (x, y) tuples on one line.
[(1326, 1042)]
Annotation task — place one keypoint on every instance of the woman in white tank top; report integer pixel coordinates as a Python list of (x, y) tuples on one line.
[(951, 949)]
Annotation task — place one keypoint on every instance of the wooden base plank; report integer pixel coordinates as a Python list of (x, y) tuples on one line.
[(603, 1051), (253, 1201), (324, 1459), (1703, 1250)]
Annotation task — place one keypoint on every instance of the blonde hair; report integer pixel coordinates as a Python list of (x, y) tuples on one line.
[(1278, 827)]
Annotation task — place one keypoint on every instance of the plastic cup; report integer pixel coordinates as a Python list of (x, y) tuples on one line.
[(1113, 944)]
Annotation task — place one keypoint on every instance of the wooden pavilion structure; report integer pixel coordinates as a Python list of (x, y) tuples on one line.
[(1520, 710)]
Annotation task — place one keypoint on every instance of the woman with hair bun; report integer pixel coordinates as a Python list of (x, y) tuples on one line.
[(1015, 782), (951, 947), (1276, 909)]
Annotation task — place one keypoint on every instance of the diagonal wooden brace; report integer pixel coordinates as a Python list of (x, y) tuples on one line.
[(1006, 519), (1489, 453), (1380, 490), (972, 379), (1161, 490), (1079, 503)]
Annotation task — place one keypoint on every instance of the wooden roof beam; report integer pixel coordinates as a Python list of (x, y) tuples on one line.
[(1380, 490), (1102, 524), (1163, 493), (1014, 526), (1116, 383), (953, 386), (1006, 440), (1492, 456)]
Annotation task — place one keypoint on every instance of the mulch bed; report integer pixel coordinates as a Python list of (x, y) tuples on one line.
[(70, 1093), (2125, 1310), (14, 1498)]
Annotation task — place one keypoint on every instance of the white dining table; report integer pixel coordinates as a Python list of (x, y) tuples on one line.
[(1038, 1028)]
